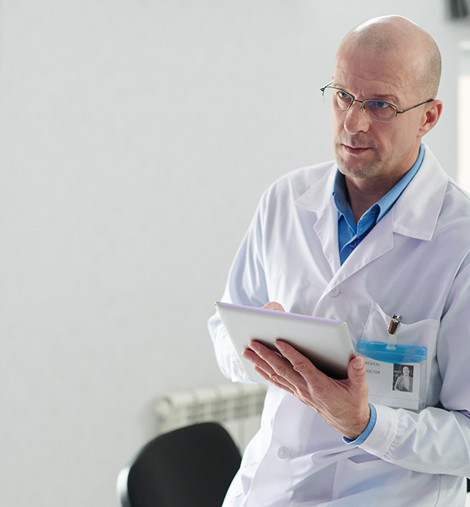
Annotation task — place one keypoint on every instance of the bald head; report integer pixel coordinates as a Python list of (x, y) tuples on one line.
[(396, 34)]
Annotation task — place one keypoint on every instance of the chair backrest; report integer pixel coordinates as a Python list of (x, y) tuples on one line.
[(188, 467)]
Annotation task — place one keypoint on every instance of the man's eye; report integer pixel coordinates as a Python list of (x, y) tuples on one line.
[(343, 95), (378, 104)]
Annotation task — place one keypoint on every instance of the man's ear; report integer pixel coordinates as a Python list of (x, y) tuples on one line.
[(431, 117)]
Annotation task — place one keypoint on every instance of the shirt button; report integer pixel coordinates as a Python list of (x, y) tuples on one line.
[(283, 452), (335, 292), (353, 245)]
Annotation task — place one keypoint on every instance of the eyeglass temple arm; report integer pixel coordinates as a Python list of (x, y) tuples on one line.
[(410, 108), (322, 89)]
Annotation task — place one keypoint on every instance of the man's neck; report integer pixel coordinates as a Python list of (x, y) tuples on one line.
[(364, 193)]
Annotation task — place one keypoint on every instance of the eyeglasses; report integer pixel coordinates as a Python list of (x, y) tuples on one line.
[(375, 109)]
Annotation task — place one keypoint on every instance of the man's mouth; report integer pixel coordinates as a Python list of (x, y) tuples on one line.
[(357, 150)]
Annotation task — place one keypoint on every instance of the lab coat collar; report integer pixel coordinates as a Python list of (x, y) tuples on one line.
[(320, 194), (319, 200), (414, 215)]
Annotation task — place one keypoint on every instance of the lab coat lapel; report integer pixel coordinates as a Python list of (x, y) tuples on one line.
[(377, 243), (319, 200), (326, 228)]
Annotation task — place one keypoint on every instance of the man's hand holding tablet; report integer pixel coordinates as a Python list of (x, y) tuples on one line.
[(343, 402)]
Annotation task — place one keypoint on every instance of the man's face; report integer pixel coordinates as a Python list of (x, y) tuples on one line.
[(368, 149)]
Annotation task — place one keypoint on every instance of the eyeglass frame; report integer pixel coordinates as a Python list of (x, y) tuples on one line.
[(397, 112)]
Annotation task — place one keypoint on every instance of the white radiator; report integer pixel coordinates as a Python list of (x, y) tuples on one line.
[(236, 406)]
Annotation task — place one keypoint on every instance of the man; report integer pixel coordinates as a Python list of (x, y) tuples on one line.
[(382, 230)]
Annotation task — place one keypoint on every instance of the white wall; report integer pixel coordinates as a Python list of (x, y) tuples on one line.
[(463, 116), (135, 139)]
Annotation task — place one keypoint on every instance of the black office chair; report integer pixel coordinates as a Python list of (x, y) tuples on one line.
[(188, 467)]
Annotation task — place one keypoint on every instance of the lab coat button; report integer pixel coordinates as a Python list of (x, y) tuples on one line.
[(283, 452), (335, 292)]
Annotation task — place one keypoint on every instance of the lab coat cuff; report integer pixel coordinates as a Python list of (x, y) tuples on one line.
[(383, 433)]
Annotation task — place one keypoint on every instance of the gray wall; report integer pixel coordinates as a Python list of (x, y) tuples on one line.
[(135, 139)]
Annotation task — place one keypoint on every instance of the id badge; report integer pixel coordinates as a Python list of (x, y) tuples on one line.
[(396, 374)]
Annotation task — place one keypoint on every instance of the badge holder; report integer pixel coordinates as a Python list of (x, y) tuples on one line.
[(396, 374)]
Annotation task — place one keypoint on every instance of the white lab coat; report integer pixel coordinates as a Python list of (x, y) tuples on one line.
[(415, 262)]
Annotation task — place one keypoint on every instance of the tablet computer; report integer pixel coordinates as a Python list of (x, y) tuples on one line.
[(326, 343)]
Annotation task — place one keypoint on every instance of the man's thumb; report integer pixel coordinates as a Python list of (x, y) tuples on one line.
[(357, 369)]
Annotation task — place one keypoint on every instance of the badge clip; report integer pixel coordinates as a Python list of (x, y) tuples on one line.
[(392, 330)]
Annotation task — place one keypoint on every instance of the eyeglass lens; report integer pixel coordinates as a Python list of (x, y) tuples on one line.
[(374, 109)]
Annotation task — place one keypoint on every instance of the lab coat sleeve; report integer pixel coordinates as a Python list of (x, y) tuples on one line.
[(436, 440), (246, 286)]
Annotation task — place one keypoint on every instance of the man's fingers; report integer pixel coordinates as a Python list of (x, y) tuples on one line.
[(274, 379), (258, 361), (299, 362), (277, 369), (272, 305)]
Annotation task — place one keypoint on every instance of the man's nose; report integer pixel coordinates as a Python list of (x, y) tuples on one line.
[(356, 120)]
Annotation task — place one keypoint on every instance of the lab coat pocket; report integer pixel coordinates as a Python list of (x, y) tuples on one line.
[(422, 333), (354, 476), (399, 365), (364, 461), (377, 482)]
